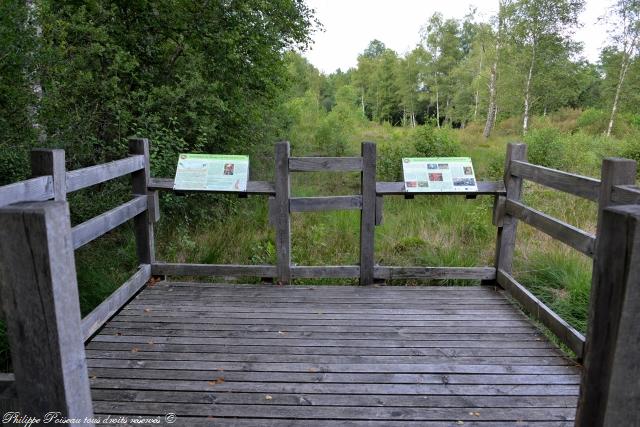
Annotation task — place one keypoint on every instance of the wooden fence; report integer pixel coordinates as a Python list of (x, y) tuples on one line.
[(34, 224)]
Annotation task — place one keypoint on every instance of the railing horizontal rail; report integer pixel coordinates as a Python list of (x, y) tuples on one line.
[(86, 177), (31, 190), (174, 269), (625, 194), (325, 271), (568, 335), (566, 233), (325, 164), (253, 187), (472, 273), (581, 186), (310, 204), (484, 187), (102, 313), (96, 227)]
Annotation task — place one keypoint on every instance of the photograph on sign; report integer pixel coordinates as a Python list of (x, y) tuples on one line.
[(212, 172), (438, 174)]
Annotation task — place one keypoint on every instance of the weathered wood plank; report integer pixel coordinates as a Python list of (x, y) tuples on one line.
[(253, 187), (567, 334), (96, 227), (614, 172), (581, 186), (625, 194), (103, 312), (281, 213), (379, 210), (325, 164), (484, 187), (479, 273), (169, 269), (31, 190), (43, 312), (368, 213), (326, 271), (86, 177), (45, 162), (565, 233), (609, 393), (326, 203), (143, 222)]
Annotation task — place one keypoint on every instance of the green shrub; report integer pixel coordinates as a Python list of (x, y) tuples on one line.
[(433, 142), (389, 163), (593, 121), (545, 147)]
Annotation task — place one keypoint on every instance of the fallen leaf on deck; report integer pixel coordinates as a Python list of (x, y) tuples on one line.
[(313, 369), (268, 397), (147, 310), (135, 350)]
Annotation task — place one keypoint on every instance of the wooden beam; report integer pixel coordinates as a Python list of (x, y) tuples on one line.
[(325, 164), (32, 190), (435, 273), (625, 194), (327, 203), (581, 186), (118, 299), (50, 162), (609, 393), (143, 222), (86, 177), (281, 213), (567, 334), (253, 187), (566, 233), (379, 210), (220, 270), (368, 213), (397, 189), (96, 227), (325, 271), (39, 294), (614, 172)]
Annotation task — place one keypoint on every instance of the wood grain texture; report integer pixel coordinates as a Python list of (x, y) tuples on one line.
[(51, 162), (110, 306), (581, 186), (143, 222), (609, 394), (40, 300), (567, 334), (325, 164), (252, 360), (170, 269), (98, 226), (368, 213), (253, 187), (565, 233), (281, 213), (326, 203), (625, 194), (325, 271), (435, 273), (86, 177), (31, 190), (484, 187), (614, 172)]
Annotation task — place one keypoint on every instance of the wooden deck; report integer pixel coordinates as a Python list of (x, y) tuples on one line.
[(242, 355)]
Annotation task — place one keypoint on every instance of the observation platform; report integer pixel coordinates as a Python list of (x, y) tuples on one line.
[(256, 355)]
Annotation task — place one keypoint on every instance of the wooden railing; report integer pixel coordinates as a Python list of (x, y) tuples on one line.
[(33, 229)]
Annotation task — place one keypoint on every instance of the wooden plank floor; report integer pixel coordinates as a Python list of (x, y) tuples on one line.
[(244, 355)]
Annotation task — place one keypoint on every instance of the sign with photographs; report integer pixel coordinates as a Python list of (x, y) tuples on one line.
[(212, 172), (438, 174)]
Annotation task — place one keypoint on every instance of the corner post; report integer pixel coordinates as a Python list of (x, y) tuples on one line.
[(40, 299), (614, 172), (368, 212), (506, 239), (143, 223), (51, 162), (281, 211), (609, 393)]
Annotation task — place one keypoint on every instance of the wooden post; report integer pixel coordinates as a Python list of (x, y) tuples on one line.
[(282, 218), (40, 298), (143, 223), (609, 393), (506, 240), (614, 172), (368, 213), (51, 162)]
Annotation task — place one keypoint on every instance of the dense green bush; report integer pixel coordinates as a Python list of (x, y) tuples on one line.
[(389, 165), (433, 142), (593, 121), (545, 147)]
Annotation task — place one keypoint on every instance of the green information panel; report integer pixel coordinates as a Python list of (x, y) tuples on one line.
[(212, 172), (438, 174)]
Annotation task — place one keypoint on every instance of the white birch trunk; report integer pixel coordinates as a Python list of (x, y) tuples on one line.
[(527, 92), (623, 72), (32, 78)]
